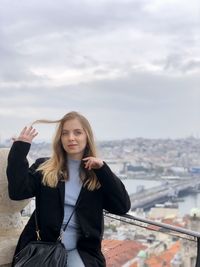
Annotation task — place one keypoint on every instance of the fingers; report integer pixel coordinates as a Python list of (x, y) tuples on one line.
[(31, 131), (28, 131), (87, 163), (27, 134), (92, 163), (23, 131)]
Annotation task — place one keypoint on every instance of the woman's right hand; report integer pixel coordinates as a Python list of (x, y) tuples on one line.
[(26, 135)]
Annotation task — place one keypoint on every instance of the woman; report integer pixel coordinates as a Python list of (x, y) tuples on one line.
[(73, 174)]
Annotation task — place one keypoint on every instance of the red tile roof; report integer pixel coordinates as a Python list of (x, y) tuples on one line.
[(166, 256), (118, 252)]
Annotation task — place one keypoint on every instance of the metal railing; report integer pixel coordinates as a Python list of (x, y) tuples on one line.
[(189, 238)]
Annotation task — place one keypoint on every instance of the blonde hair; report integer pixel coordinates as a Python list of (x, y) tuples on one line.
[(55, 168)]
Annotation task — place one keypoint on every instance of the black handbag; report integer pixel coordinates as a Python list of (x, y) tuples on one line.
[(41, 253)]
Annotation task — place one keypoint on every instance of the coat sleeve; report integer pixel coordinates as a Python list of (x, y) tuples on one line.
[(116, 198), (23, 182)]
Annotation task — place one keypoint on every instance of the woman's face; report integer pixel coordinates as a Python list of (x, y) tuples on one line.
[(73, 139)]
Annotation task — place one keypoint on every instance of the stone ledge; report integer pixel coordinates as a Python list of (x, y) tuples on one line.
[(11, 222)]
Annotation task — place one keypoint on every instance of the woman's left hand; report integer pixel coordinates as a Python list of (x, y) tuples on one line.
[(92, 163)]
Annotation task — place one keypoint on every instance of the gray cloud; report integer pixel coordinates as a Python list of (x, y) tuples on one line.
[(131, 66)]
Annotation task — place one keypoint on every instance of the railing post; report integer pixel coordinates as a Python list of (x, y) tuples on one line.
[(198, 253), (11, 223)]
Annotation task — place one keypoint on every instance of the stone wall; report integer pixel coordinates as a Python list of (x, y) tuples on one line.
[(11, 222)]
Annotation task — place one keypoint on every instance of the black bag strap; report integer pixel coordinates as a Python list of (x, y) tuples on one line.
[(64, 228)]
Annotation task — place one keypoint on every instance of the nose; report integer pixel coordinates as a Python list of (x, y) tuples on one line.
[(71, 136)]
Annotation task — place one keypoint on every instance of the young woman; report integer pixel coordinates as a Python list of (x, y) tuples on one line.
[(73, 174)]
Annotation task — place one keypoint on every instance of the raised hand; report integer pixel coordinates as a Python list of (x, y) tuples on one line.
[(92, 163), (26, 135)]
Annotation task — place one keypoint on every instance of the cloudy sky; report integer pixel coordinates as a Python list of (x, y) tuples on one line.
[(132, 67)]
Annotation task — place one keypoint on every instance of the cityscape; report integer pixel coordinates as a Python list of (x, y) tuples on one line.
[(132, 69), (165, 165)]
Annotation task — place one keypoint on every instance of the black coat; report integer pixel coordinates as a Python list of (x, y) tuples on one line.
[(25, 182)]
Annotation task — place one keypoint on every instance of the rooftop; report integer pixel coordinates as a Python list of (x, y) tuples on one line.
[(118, 252)]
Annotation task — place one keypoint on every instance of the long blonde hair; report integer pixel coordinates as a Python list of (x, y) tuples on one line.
[(55, 168)]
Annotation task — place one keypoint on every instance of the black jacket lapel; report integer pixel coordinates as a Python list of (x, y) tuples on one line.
[(61, 189)]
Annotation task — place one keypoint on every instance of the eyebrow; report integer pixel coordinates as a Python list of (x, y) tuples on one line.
[(78, 129)]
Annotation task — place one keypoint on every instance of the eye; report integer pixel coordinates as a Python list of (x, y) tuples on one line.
[(64, 133), (78, 132)]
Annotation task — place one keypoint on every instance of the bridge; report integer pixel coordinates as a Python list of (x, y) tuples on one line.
[(159, 194)]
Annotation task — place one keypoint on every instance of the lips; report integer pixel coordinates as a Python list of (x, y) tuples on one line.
[(72, 145)]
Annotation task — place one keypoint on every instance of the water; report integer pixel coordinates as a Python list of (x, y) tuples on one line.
[(189, 202), (132, 184)]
